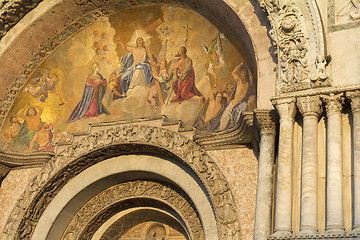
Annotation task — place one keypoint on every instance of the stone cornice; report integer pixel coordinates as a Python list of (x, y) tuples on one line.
[(317, 91), (19, 159), (241, 134)]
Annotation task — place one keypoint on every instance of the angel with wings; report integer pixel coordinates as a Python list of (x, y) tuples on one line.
[(215, 55)]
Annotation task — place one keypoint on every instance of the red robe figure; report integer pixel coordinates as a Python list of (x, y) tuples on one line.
[(184, 85)]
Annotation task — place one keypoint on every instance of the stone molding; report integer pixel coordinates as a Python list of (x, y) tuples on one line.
[(100, 205), (11, 12), (317, 91), (116, 141), (241, 134), (4, 170), (266, 120)]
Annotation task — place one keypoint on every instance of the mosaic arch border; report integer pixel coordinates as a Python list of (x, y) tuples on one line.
[(117, 141)]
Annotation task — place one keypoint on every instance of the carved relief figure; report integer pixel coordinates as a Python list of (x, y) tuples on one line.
[(91, 104), (184, 84)]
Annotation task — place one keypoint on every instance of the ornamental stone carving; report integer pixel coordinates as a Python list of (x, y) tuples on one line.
[(113, 142), (266, 120), (101, 205), (290, 44), (11, 11)]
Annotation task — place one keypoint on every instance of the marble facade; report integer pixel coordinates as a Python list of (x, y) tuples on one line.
[(290, 169)]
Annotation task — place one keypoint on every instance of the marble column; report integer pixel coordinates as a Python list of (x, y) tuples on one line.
[(310, 107), (334, 167), (266, 121), (287, 110), (355, 107)]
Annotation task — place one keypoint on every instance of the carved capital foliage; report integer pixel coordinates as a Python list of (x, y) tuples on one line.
[(354, 98), (333, 102), (309, 105), (266, 120), (286, 108), (93, 212), (119, 140)]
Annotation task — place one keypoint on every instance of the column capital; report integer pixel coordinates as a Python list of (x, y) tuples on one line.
[(310, 105), (286, 108), (354, 97), (333, 102), (266, 119)]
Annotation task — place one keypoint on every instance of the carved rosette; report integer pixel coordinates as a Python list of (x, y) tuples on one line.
[(102, 204), (113, 142)]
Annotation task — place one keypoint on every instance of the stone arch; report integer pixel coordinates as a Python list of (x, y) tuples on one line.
[(111, 142)]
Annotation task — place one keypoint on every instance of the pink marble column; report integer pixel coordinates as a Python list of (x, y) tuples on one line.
[(310, 107), (266, 121), (287, 110), (355, 107), (334, 165)]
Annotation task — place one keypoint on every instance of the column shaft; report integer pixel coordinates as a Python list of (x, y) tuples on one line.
[(265, 176), (355, 106), (334, 203), (310, 107), (287, 111)]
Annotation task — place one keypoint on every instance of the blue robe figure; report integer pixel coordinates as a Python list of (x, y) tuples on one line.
[(91, 104), (128, 70)]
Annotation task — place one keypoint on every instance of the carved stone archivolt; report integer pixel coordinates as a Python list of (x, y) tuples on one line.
[(290, 36), (116, 141), (117, 194)]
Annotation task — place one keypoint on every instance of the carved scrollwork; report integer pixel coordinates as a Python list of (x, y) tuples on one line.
[(123, 139), (290, 44)]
